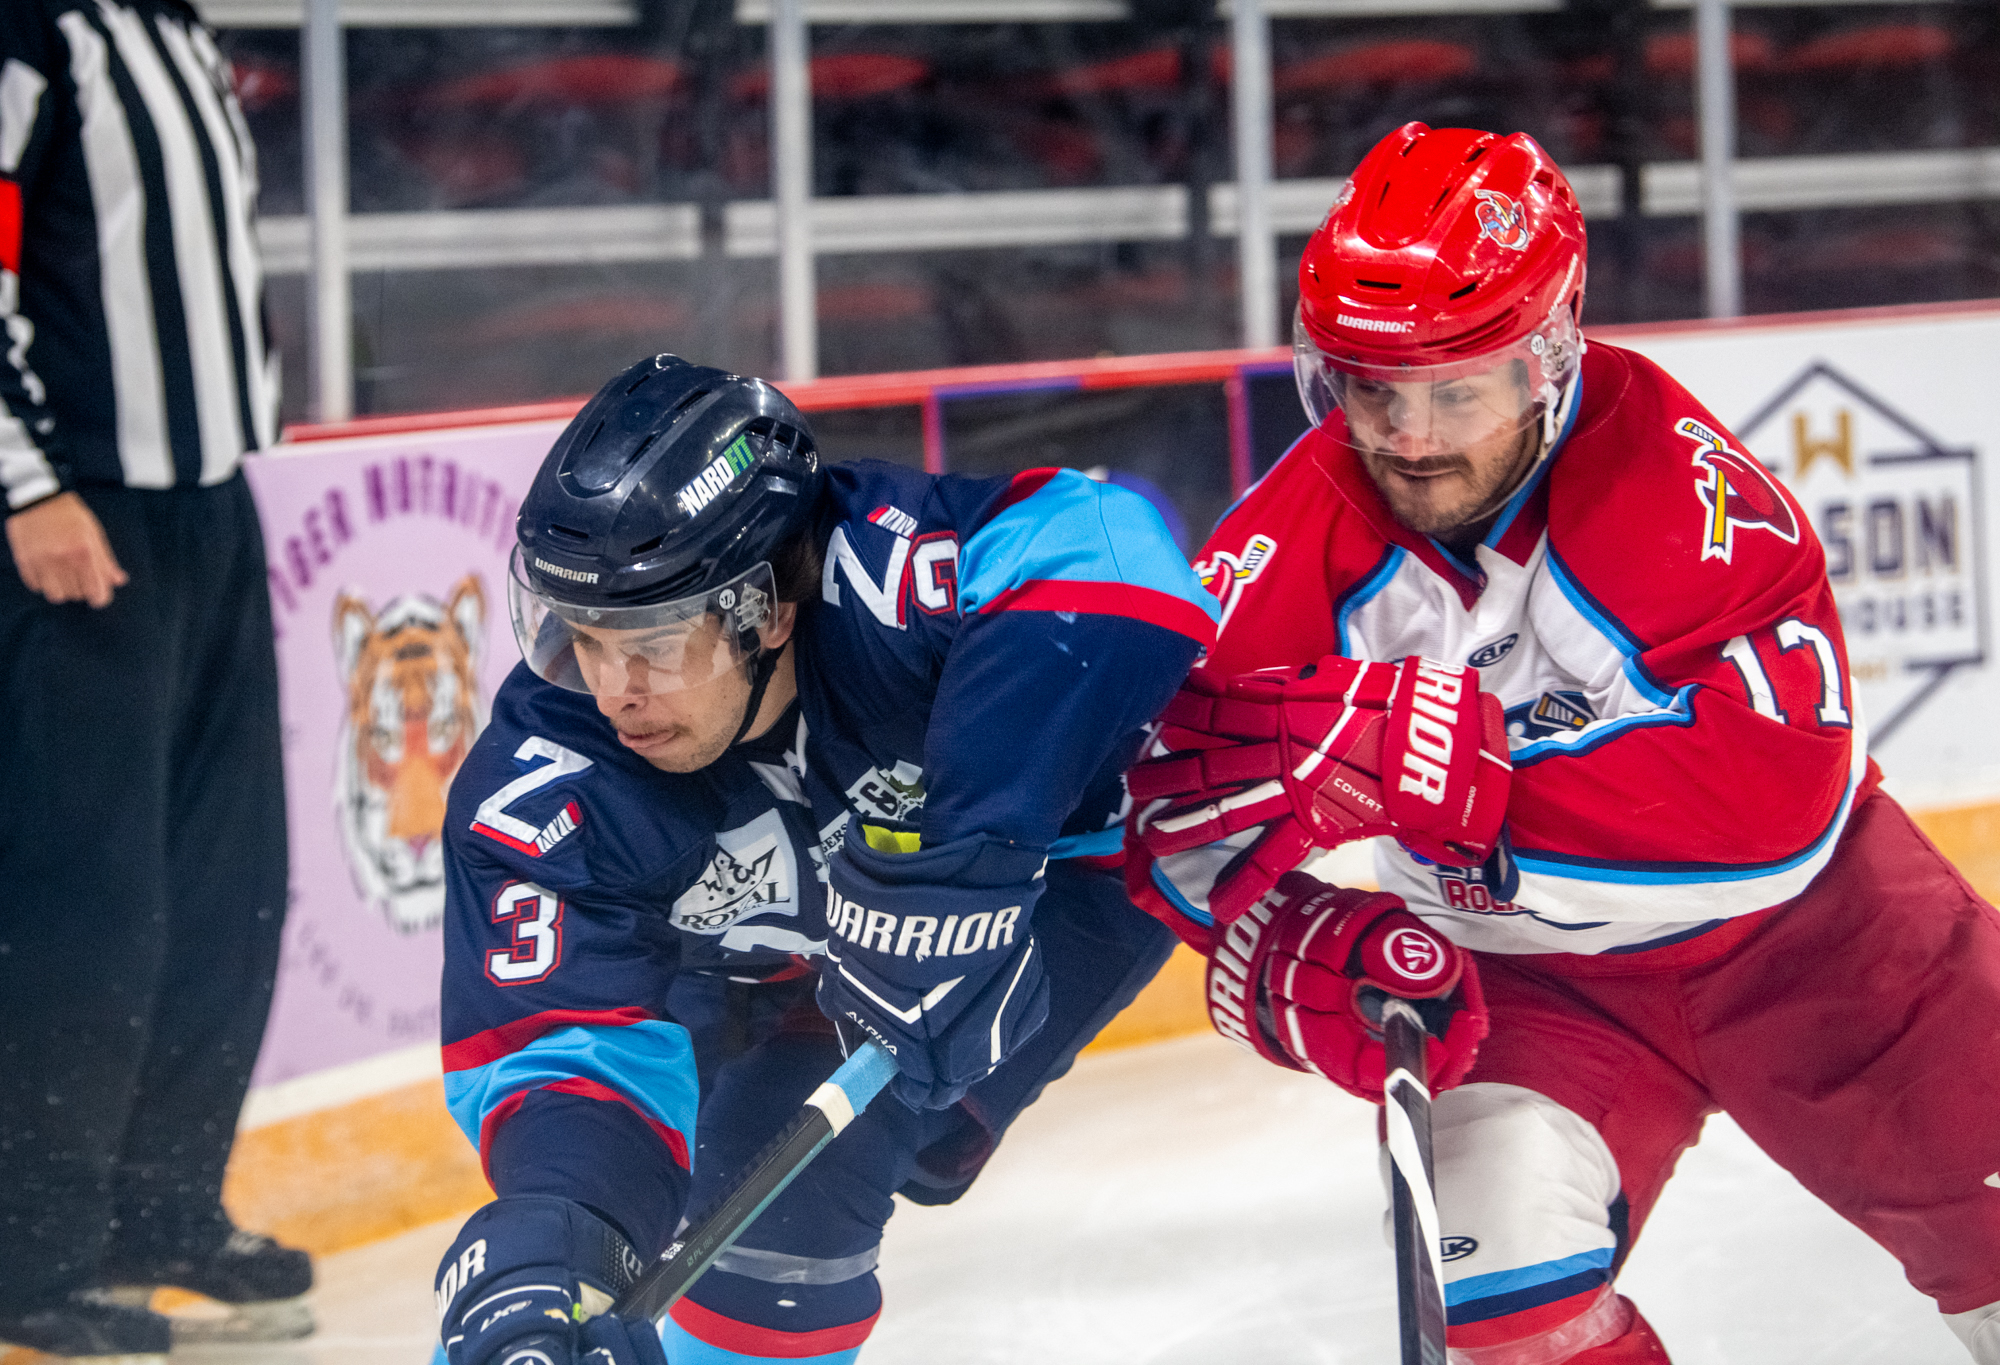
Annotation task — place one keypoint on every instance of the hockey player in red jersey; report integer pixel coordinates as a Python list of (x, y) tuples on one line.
[(1530, 609)]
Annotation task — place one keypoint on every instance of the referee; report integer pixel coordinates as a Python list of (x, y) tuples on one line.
[(142, 850)]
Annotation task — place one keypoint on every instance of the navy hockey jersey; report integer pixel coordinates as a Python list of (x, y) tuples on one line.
[(981, 658)]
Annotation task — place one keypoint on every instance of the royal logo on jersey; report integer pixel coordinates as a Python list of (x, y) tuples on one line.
[(893, 794), (753, 872), (1227, 575), (1735, 492), (1502, 219)]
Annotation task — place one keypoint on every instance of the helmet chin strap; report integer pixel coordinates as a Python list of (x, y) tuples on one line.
[(761, 670)]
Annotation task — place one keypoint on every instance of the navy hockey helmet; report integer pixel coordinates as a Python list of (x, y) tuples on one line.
[(644, 548)]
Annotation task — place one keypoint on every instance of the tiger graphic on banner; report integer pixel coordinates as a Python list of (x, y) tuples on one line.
[(413, 711)]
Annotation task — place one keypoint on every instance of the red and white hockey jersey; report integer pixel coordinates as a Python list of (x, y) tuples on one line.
[(1653, 612)]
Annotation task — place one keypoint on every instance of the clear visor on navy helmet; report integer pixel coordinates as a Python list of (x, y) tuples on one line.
[(1475, 401), (664, 647)]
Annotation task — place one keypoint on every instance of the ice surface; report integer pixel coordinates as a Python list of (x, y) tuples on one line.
[(1186, 1203)]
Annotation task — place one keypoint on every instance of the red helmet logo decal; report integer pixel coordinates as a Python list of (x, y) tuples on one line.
[(1735, 491), (1415, 954), (1502, 219)]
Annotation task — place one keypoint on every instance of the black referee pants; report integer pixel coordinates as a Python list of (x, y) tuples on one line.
[(142, 888)]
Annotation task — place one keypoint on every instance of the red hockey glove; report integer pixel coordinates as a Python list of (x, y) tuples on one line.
[(1334, 751), (1301, 979)]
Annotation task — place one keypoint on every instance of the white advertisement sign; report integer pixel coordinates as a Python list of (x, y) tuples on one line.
[(1882, 427)]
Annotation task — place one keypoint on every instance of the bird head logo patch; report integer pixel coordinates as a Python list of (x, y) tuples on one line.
[(1226, 574), (1735, 492)]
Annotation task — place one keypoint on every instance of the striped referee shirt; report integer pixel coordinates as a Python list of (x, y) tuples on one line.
[(130, 291)]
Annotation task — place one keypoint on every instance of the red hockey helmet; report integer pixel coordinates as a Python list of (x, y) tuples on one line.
[(1449, 252)]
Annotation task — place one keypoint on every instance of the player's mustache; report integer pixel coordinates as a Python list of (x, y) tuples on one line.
[(1427, 464)]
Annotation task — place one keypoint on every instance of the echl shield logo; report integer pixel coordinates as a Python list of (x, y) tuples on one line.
[(1502, 219), (1226, 574), (1735, 491)]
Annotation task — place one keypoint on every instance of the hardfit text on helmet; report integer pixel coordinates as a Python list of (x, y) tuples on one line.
[(702, 489)]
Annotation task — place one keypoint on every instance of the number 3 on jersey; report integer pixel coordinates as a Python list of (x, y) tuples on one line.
[(537, 950)]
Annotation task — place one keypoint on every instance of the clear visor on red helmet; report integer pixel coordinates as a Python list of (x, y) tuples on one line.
[(665, 647), (1471, 402)]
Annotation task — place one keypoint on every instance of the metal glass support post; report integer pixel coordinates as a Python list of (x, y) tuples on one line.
[(330, 345), (1716, 93), (1256, 244), (791, 175)]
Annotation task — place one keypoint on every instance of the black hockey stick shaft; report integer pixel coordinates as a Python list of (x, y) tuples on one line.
[(1413, 1201), (831, 1108)]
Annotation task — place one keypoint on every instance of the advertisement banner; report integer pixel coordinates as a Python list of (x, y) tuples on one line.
[(1882, 428), (388, 563)]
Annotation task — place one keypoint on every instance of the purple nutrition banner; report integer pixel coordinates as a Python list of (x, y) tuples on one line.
[(388, 572)]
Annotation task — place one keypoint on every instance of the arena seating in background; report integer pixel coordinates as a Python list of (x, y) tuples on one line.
[(840, 76), (1406, 61), (605, 78)]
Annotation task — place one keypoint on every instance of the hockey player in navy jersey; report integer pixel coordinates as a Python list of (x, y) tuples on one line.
[(1533, 612), (755, 688)]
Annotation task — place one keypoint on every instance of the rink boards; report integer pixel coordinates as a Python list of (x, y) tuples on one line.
[(1880, 421)]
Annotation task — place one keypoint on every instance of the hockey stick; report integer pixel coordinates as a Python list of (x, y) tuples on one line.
[(1413, 1201), (829, 1109)]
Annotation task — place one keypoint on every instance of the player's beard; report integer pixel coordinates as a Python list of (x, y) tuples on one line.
[(1456, 492)]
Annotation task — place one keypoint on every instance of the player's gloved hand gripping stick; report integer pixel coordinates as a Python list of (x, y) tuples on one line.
[(1351, 985), (544, 1301)]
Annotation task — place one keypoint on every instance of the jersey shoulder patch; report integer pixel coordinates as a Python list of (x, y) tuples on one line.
[(549, 795)]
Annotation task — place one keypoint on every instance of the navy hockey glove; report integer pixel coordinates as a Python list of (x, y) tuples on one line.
[(528, 1282), (1301, 979), (929, 953)]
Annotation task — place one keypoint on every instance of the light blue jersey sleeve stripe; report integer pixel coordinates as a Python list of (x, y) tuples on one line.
[(1679, 711), (650, 1063), (1102, 844), (1627, 647), (1370, 588), (1500, 1282), (1074, 529), (1650, 876)]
